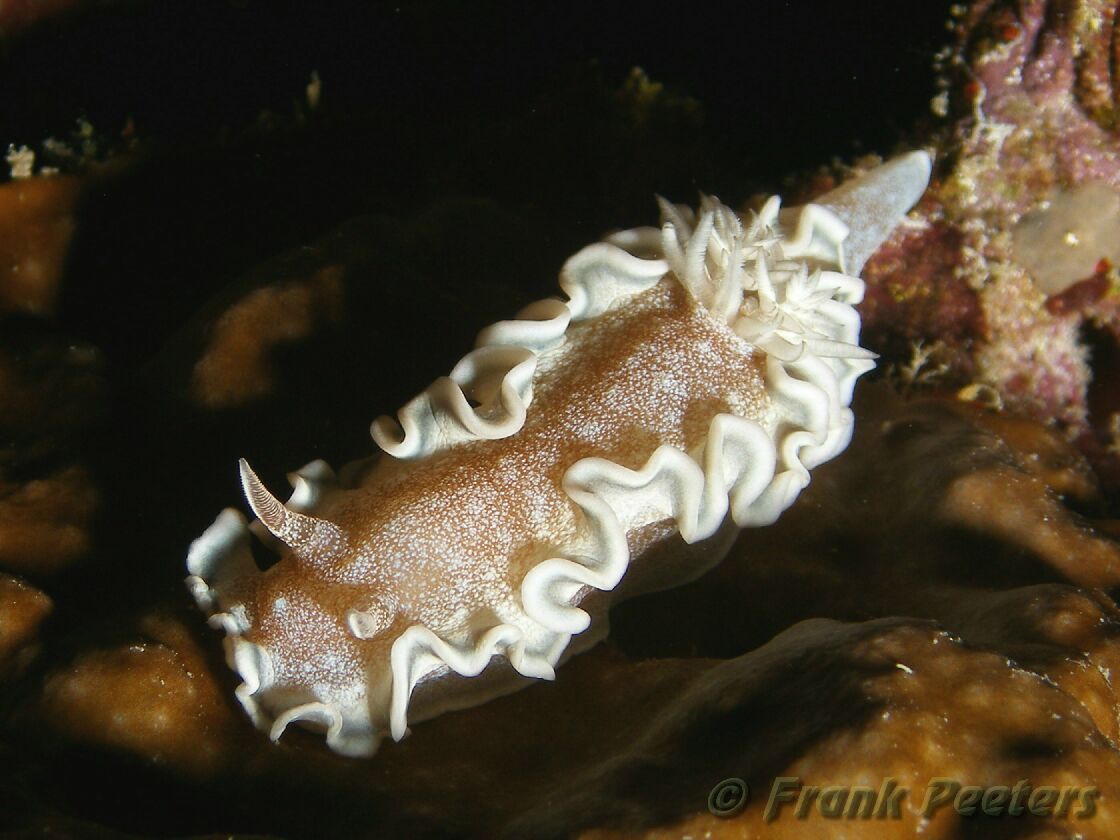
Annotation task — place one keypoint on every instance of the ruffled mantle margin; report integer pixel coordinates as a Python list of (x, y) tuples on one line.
[(786, 295)]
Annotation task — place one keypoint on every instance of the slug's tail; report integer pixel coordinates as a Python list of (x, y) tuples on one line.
[(872, 205)]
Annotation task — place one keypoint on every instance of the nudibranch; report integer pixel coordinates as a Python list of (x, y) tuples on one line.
[(585, 451)]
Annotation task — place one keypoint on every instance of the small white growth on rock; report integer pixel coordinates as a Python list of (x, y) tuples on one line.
[(21, 162)]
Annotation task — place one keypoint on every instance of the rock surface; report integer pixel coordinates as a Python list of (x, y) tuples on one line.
[(1020, 226), (938, 603)]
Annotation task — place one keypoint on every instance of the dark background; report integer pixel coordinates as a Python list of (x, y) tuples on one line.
[(792, 80), (509, 101), (480, 143)]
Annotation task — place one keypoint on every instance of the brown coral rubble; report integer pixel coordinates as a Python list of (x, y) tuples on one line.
[(931, 628)]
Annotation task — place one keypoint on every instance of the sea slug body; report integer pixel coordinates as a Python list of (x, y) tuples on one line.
[(588, 450)]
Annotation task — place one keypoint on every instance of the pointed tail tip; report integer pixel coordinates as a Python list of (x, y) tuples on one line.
[(919, 165), (919, 159), (876, 202)]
